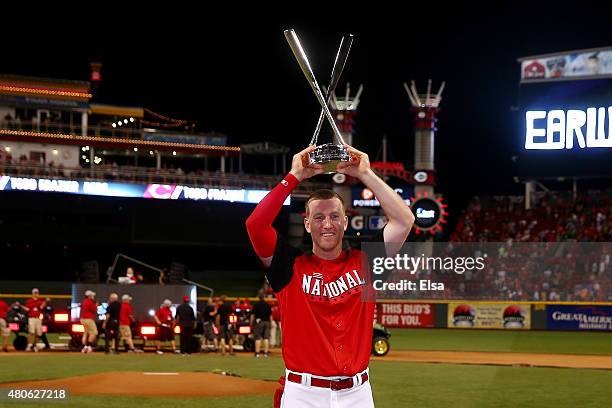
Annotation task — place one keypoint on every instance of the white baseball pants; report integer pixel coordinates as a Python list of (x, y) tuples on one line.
[(306, 396)]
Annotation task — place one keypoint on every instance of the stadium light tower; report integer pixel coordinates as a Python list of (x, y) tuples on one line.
[(344, 110), (425, 107), (429, 208)]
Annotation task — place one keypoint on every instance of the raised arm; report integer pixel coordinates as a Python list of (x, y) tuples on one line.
[(399, 215), (259, 224)]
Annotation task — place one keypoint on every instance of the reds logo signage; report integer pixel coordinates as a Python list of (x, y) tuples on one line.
[(314, 285), (533, 70), (566, 129)]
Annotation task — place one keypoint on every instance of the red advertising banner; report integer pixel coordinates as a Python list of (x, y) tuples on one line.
[(405, 314)]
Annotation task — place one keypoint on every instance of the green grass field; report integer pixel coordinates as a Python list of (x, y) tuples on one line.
[(498, 340), (395, 384)]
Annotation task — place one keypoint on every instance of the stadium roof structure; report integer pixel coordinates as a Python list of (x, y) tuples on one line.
[(113, 110), (44, 87), (114, 142)]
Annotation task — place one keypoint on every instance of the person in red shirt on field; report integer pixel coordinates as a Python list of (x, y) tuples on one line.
[(130, 274), (242, 307), (246, 305), (236, 306), (126, 318), (326, 323), (165, 323), (89, 312), (4, 330), (34, 307)]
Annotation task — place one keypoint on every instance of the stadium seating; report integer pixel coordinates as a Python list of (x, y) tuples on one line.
[(555, 234)]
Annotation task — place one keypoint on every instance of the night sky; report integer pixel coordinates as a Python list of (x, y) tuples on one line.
[(233, 72)]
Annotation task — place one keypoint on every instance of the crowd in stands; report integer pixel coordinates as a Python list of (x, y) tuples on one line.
[(560, 250), (555, 217)]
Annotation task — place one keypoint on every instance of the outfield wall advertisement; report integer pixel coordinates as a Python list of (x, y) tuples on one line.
[(467, 315), (570, 317), (405, 314)]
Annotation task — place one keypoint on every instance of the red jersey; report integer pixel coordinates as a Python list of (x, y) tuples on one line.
[(246, 305), (164, 314), (326, 324), (124, 315), (276, 313), (35, 306), (89, 309), (3, 309)]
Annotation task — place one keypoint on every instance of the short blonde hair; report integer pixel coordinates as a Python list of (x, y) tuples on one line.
[(323, 194)]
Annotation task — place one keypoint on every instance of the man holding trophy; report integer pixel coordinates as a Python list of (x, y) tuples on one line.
[(326, 323)]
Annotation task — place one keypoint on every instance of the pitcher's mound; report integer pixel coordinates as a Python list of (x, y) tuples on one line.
[(130, 383)]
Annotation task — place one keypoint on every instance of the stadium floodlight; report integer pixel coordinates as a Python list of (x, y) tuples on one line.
[(55, 152), (114, 125), (174, 153), (415, 94), (132, 119), (348, 93), (334, 100), (135, 149), (119, 123), (355, 102), (409, 92), (439, 94), (125, 121)]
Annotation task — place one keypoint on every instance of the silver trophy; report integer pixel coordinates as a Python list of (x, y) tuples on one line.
[(328, 154)]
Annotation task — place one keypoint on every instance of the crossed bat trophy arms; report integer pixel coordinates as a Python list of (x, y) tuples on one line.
[(344, 155)]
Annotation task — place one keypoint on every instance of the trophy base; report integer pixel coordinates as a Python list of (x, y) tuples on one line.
[(330, 166), (329, 155)]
